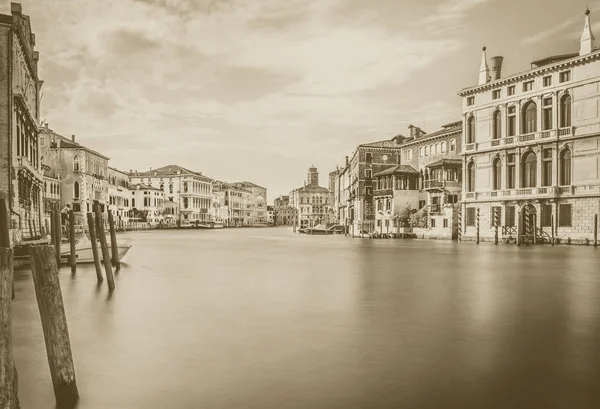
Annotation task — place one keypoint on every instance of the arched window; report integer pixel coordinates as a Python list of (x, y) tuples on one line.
[(565, 167), (421, 152), (427, 151), (497, 174), (529, 170), (42, 160), (171, 188), (452, 145), (497, 122), (46, 187), (529, 118), (471, 129), (185, 186), (437, 148), (471, 177), (76, 163), (443, 147), (565, 111), (76, 190)]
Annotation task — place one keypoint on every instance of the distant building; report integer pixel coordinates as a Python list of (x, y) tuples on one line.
[(188, 195), (21, 177), (147, 204), (285, 214), (312, 202), (531, 147), (83, 173), (270, 214), (119, 195), (255, 203)]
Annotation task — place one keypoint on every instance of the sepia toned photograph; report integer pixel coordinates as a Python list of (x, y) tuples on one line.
[(299, 204)]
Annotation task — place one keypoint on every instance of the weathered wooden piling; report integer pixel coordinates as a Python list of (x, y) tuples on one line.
[(8, 373), (595, 230), (94, 244), (459, 221), (104, 247), (4, 226), (54, 324), (114, 249), (73, 255), (57, 235)]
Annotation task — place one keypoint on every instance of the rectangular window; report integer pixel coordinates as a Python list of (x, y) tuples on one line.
[(509, 216), (547, 114), (527, 86), (76, 207), (510, 171), (510, 90), (368, 173), (470, 216), (547, 167), (421, 204), (432, 222), (369, 157), (496, 215), (470, 101), (496, 94), (445, 222), (564, 215), (546, 217), (547, 81), (368, 191), (564, 76), (511, 121)]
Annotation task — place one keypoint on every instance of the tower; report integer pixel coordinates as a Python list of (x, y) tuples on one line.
[(313, 176), (587, 37)]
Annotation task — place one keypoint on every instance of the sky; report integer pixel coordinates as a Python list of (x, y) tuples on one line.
[(260, 90)]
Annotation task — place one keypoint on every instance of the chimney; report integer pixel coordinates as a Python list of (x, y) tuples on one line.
[(46, 125), (15, 8), (73, 138), (347, 161), (496, 63)]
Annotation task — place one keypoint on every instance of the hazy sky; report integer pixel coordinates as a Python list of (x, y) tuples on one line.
[(260, 90)]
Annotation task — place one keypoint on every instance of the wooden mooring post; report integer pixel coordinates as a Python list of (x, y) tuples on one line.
[(595, 230), (552, 228), (94, 243), (73, 255), (54, 324), (104, 247), (114, 248), (5, 236), (477, 238), (57, 235), (8, 373)]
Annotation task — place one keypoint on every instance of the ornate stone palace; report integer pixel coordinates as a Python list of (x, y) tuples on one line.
[(531, 147), (21, 177)]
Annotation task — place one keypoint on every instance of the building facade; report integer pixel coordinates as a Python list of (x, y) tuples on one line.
[(285, 214), (147, 204), (21, 176), (83, 173), (532, 148), (255, 203), (119, 195), (312, 202), (187, 194)]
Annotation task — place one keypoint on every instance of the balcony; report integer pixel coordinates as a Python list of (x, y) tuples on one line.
[(25, 163), (534, 193), (441, 184), (383, 192), (522, 139)]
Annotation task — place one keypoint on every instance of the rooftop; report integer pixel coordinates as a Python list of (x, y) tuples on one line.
[(170, 170), (445, 162), (398, 169)]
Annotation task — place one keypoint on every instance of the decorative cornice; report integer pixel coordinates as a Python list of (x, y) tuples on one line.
[(532, 73)]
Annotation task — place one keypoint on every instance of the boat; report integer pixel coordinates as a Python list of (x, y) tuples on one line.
[(83, 249)]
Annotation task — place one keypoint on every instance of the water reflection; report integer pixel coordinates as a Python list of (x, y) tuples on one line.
[(264, 318)]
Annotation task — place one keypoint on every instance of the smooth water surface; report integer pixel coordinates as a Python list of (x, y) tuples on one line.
[(263, 318)]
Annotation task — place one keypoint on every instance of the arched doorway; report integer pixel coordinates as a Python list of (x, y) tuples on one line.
[(528, 222)]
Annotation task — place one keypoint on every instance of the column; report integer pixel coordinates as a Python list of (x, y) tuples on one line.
[(555, 165), (538, 173), (538, 101), (503, 171), (518, 121), (503, 121), (554, 111)]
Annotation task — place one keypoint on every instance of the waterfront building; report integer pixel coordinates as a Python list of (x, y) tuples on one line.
[(21, 176), (356, 205), (311, 202), (147, 204), (255, 204), (285, 214), (532, 148), (119, 195), (83, 173), (270, 214), (187, 194), (437, 159)]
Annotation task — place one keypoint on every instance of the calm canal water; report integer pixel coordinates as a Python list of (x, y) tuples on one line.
[(263, 318)]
